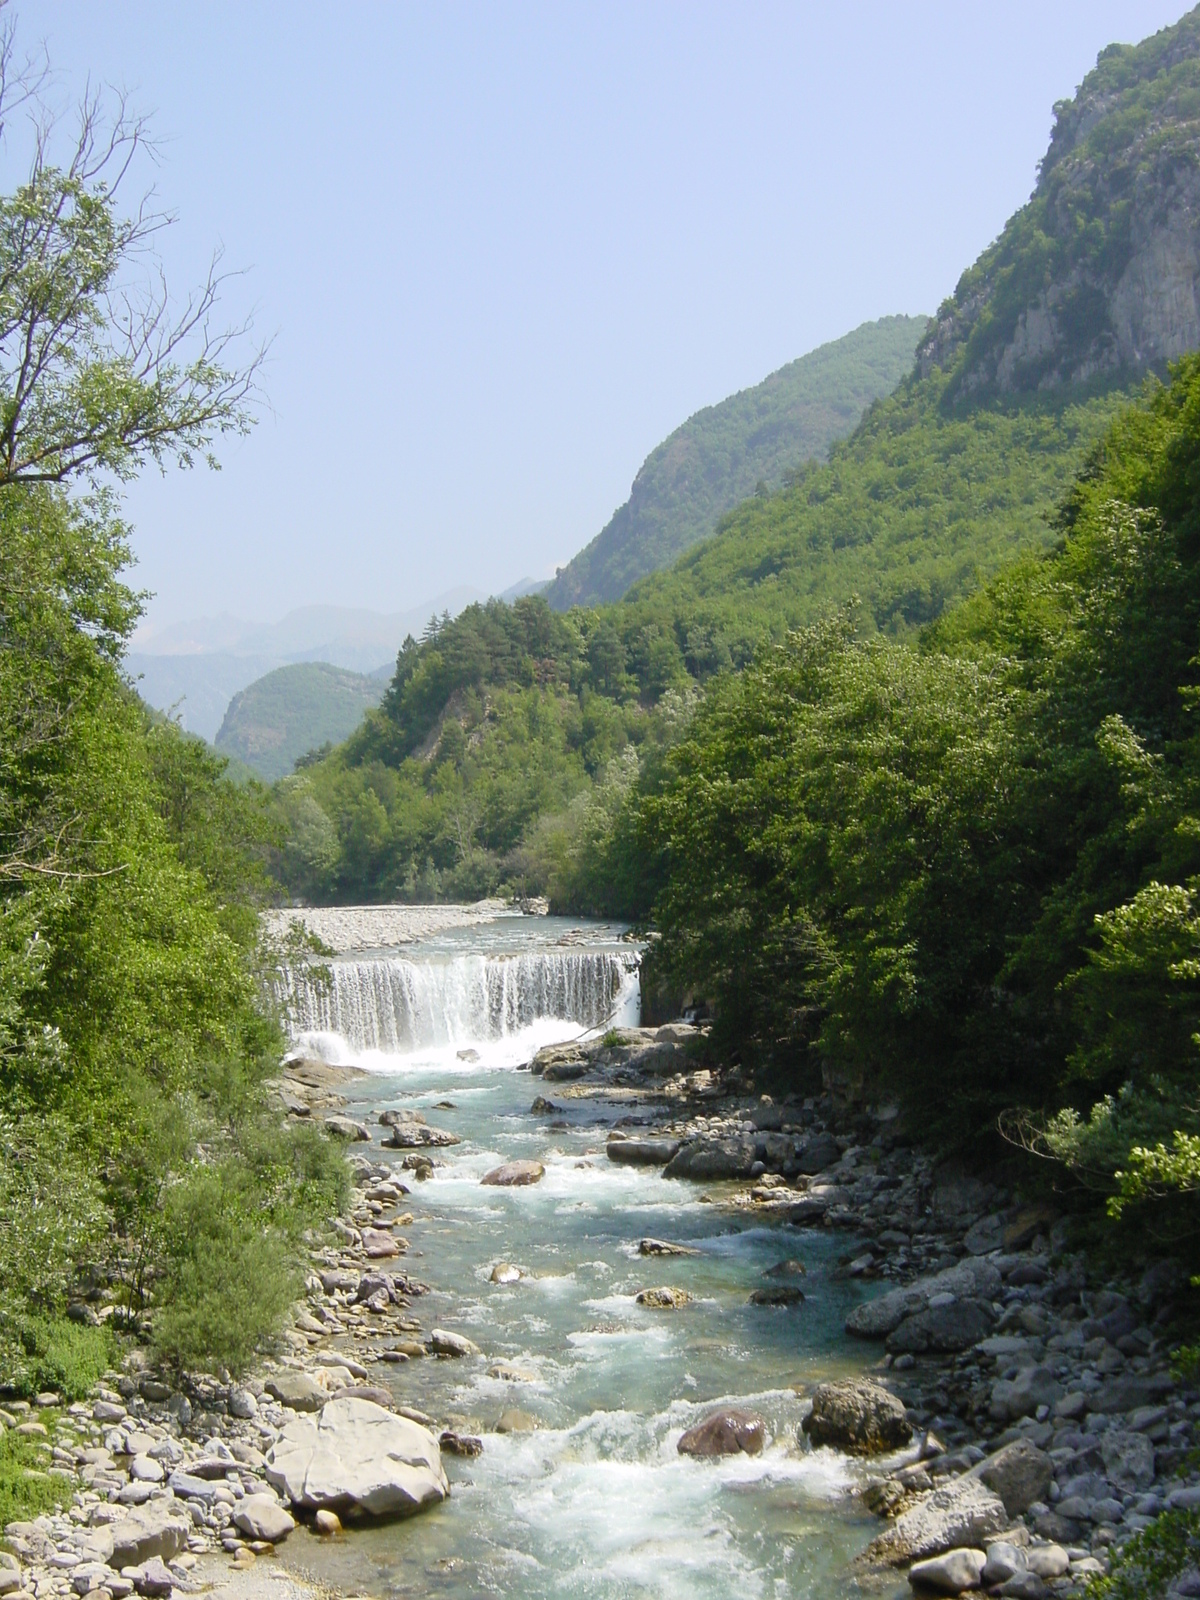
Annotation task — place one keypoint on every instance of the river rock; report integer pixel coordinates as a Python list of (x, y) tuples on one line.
[(663, 1299), (358, 1455), (974, 1278), (858, 1415), (791, 1268), (1128, 1458), (817, 1154), (151, 1578), (514, 1174), (260, 1516), (460, 1444), (642, 1152), (943, 1328), (1004, 1561), (148, 1531), (731, 1157), (514, 1420), (778, 1294), (347, 1128), (506, 1272), (327, 1522), (296, 1390), (962, 1513), (985, 1236), (1019, 1473), (379, 1245), (725, 1433), (444, 1343), (953, 1573), (1021, 1396), (662, 1247), (410, 1132), (242, 1404)]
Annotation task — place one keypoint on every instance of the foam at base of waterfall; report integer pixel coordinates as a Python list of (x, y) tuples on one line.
[(511, 1051), (394, 1007)]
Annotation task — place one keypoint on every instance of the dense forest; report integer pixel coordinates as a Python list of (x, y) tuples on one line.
[(145, 1182)]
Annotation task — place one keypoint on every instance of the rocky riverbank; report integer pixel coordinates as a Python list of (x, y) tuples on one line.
[(1019, 1418)]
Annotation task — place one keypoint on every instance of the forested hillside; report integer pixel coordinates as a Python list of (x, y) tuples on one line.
[(499, 755), (730, 450), (293, 711)]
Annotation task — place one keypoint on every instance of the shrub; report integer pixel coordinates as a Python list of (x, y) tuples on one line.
[(51, 1353)]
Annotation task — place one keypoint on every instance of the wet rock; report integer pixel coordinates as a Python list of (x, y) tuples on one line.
[(661, 1247), (296, 1390), (964, 1513), (727, 1432), (642, 1152), (513, 1420), (732, 1157), (408, 1131), (858, 1415), (444, 1343), (943, 1328), (791, 1268), (379, 1245), (664, 1299), (347, 1128), (148, 1531), (514, 1174), (505, 1272), (541, 1106), (952, 1573), (778, 1294), (509, 1372), (460, 1444), (357, 1455), (260, 1516), (1019, 1473)]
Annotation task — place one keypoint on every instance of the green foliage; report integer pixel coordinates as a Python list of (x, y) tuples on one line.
[(283, 716), (1146, 1566), (722, 454), (50, 1353), (26, 1488)]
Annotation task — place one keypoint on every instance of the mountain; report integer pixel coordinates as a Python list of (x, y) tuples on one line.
[(294, 710), (728, 451), (194, 668), (1093, 284)]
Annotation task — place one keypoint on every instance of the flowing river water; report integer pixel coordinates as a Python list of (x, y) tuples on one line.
[(596, 1500)]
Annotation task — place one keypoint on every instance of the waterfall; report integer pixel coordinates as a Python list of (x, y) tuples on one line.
[(397, 1006)]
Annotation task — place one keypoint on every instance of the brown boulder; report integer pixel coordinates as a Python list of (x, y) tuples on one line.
[(858, 1415), (726, 1433), (514, 1174)]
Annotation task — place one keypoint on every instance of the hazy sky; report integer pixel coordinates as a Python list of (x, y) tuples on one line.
[(502, 250)]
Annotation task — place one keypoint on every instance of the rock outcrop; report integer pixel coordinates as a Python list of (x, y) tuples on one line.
[(356, 1455)]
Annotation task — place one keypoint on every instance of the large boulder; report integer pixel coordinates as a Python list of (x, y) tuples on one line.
[(731, 1157), (953, 1573), (296, 1390), (974, 1279), (1128, 1458), (1021, 1396), (962, 1513), (148, 1531), (858, 1415), (818, 1153), (260, 1516), (956, 1325), (357, 1455), (1019, 1473), (410, 1131), (642, 1152), (514, 1174), (726, 1433)]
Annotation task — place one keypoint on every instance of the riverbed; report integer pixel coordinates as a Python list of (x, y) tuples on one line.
[(587, 1495)]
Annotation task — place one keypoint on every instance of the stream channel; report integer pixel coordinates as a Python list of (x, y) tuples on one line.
[(596, 1501)]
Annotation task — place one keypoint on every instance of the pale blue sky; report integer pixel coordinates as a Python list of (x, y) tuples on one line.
[(504, 249)]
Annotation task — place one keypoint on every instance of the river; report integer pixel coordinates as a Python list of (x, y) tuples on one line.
[(595, 1501)]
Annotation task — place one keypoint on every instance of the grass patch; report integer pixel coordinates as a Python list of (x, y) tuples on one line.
[(26, 1487), (50, 1353)]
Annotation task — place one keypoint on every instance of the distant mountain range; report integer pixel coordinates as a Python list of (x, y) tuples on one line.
[(195, 668), (726, 452)]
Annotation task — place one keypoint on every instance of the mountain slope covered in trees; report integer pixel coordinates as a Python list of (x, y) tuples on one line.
[(730, 450), (292, 711)]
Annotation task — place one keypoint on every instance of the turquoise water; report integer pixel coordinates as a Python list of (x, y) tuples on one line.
[(596, 1501)]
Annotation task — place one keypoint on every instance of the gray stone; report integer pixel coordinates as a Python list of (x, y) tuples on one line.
[(1023, 1586), (663, 1247), (296, 1390), (963, 1513), (952, 1573), (818, 1153), (347, 1128), (1021, 1396), (973, 1279), (356, 1454), (413, 1133), (858, 1415), (144, 1469), (1019, 1473), (1128, 1458), (1128, 1394), (1003, 1560), (642, 1152), (146, 1532), (260, 1516), (943, 1328), (713, 1158), (727, 1432), (986, 1235), (444, 1343), (242, 1404), (514, 1174), (152, 1579)]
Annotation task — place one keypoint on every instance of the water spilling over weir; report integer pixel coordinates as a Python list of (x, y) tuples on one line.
[(398, 1005)]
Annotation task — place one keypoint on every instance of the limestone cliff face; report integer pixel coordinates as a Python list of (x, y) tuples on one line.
[(1100, 272)]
